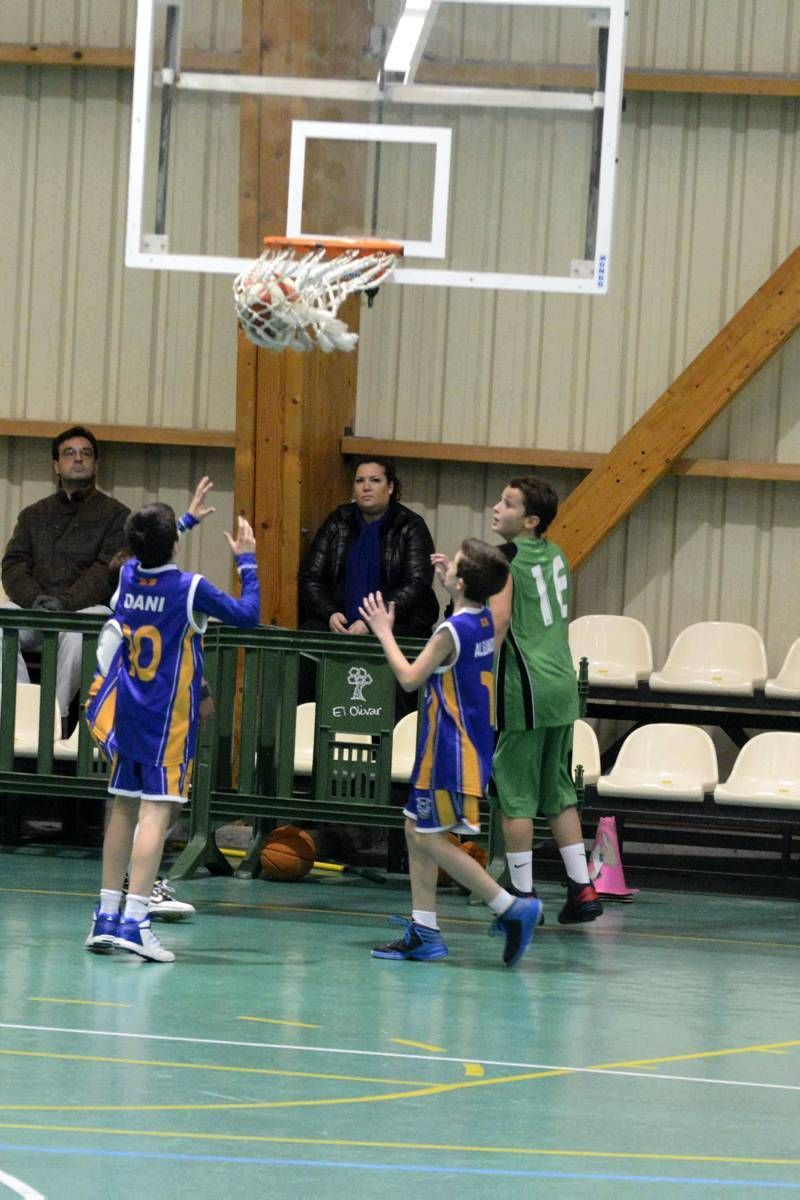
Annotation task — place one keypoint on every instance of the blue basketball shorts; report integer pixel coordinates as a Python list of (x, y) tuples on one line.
[(143, 781), (437, 811)]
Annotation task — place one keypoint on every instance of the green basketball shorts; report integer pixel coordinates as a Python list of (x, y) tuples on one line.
[(531, 770)]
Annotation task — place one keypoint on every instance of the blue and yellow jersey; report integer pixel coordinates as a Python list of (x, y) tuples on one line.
[(144, 701), (456, 740)]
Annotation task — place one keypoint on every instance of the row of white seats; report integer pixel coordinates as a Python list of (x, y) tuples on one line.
[(710, 656), (679, 762)]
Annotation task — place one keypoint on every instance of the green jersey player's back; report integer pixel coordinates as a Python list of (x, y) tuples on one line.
[(536, 683)]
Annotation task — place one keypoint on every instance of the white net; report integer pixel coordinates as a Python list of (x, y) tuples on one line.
[(289, 298)]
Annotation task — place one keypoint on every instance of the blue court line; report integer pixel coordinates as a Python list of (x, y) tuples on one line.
[(326, 1164)]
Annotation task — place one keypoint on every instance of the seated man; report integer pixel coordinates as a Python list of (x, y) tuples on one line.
[(58, 557)]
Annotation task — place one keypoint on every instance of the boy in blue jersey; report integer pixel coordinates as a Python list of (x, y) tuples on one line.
[(151, 655), (537, 696), (454, 753)]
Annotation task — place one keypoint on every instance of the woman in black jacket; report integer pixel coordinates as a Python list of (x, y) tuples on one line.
[(373, 543)]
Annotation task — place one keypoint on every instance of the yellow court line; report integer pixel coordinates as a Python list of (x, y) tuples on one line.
[(64, 1000), (766, 1048), (473, 1069), (189, 1066), (418, 1045), (275, 1021), (525, 1151)]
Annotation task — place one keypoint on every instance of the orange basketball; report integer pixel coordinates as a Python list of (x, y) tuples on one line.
[(288, 853), (470, 848)]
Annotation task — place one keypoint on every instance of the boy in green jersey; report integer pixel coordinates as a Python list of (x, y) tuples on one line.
[(536, 696)]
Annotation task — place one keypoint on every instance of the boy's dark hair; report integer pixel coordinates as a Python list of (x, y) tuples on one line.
[(539, 498), (391, 474), (483, 568), (151, 534), (73, 432)]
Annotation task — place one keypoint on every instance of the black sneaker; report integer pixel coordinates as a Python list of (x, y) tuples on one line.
[(583, 904), (531, 895), (518, 925)]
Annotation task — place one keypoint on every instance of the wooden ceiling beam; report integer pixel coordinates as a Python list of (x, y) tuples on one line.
[(651, 447)]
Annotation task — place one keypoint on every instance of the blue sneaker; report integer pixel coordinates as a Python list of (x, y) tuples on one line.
[(138, 937), (418, 943), (103, 931), (518, 924)]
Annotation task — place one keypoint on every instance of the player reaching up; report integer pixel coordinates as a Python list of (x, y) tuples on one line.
[(155, 640), (454, 753)]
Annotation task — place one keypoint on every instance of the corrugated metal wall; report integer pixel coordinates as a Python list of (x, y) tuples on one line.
[(707, 208), (85, 339)]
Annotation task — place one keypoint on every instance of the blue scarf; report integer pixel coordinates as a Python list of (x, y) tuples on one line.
[(362, 573)]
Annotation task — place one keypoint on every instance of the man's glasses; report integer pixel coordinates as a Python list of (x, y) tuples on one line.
[(71, 452)]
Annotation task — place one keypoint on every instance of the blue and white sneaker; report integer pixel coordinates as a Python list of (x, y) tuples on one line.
[(518, 925), (103, 931), (417, 943), (138, 937)]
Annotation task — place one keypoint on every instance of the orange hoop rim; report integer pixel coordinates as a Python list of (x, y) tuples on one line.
[(335, 245)]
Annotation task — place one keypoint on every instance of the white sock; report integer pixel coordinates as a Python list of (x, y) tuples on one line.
[(575, 862), (520, 868), (428, 919), (501, 903), (136, 907), (110, 901)]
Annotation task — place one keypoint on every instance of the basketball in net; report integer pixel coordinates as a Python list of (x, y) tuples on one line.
[(288, 853), (289, 298)]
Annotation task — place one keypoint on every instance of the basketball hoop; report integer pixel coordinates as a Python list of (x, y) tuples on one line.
[(290, 296)]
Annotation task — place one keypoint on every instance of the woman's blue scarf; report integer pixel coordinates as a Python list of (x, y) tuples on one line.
[(362, 573)]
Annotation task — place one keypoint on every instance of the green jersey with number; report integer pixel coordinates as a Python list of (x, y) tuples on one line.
[(536, 683)]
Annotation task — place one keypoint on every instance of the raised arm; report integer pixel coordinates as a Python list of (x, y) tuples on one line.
[(410, 676)]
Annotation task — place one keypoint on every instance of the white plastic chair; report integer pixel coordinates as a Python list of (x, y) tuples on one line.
[(26, 720), (668, 762), (618, 649), (586, 752), (714, 656), (404, 748), (304, 738), (766, 773), (787, 682)]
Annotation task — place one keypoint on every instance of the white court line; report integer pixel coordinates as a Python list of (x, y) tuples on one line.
[(21, 1189), (484, 1062)]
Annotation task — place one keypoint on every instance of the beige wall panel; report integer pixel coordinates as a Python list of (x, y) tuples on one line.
[(135, 475), (90, 339), (207, 24)]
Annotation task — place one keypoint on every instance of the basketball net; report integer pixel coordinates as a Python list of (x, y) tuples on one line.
[(289, 298)]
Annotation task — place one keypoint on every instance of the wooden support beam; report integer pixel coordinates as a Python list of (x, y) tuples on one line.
[(292, 407), (475, 73), (145, 435), (681, 414), (534, 458)]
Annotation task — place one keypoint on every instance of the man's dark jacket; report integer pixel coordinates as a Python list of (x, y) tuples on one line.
[(62, 546), (406, 570)]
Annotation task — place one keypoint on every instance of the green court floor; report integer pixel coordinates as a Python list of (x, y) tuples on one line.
[(655, 1053)]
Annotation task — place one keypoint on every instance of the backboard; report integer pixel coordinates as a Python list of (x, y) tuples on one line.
[(482, 134)]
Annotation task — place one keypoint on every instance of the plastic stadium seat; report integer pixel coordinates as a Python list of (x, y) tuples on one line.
[(26, 722), (766, 773), (586, 752), (618, 649), (404, 748), (714, 656), (669, 762), (305, 718), (787, 682)]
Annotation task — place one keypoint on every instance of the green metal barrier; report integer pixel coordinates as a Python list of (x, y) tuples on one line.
[(43, 774), (351, 777)]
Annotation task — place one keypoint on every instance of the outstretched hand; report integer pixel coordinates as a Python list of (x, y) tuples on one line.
[(245, 538), (374, 611), (198, 508), (441, 565)]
